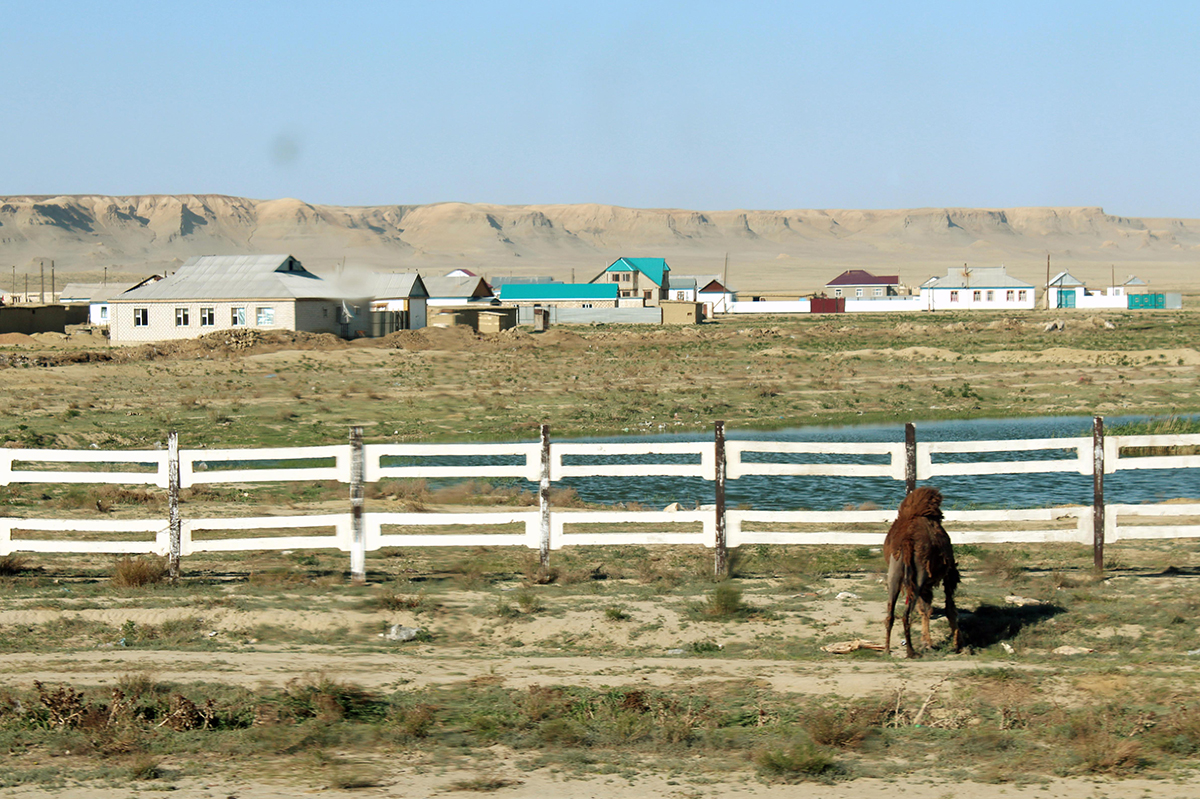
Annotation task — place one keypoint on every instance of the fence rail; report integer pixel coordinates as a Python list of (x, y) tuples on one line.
[(358, 531)]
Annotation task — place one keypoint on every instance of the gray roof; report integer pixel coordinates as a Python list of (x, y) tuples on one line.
[(683, 284), (1065, 280), (97, 292), (702, 281), (977, 277), (460, 287), (393, 285), (236, 277)]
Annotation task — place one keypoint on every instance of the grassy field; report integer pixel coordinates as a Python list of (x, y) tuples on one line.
[(752, 372), (625, 663)]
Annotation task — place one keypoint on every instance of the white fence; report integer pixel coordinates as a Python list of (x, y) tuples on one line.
[(359, 531)]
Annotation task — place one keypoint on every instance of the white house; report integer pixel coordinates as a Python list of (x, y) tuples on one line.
[(708, 289), (221, 292), (1067, 291), (977, 288)]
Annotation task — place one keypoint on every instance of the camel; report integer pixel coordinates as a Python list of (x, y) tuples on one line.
[(919, 555)]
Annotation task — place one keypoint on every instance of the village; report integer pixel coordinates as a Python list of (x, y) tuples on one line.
[(211, 293)]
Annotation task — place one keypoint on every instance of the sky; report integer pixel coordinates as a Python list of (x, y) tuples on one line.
[(699, 105)]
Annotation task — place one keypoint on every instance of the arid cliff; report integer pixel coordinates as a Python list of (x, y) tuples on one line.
[(767, 250)]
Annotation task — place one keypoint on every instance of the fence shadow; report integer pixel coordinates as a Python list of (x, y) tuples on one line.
[(988, 624)]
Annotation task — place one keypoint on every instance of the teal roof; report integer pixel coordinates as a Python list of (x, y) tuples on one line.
[(527, 292), (653, 268)]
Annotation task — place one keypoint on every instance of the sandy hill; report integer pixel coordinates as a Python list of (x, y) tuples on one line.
[(797, 250)]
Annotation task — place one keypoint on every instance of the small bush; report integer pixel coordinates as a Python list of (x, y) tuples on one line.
[(138, 572), (616, 613), (12, 565), (725, 602), (800, 760)]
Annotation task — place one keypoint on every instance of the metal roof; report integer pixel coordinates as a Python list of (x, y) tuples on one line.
[(653, 268), (977, 277), (236, 277), (394, 285), (460, 287), (534, 292), (704, 282)]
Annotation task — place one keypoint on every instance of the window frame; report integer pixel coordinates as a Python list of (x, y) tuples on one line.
[(141, 317)]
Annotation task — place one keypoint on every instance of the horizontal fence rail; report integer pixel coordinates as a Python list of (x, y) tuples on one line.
[(358, 530)]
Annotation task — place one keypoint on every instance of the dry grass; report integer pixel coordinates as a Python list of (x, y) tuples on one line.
[(139, 572)]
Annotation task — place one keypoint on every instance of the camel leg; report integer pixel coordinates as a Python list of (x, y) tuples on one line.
[(909, 600), (893, 583), (952, 617), (925, 605)]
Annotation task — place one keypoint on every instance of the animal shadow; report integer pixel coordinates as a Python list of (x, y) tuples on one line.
[(991, 624)]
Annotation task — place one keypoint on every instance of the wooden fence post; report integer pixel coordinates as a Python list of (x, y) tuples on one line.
[(721, 560), (358, 545), (176, 526), (1098, 493), (544, 503), (910, 457)]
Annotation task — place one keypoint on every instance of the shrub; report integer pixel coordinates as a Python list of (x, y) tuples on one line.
[(12, 565), (137, 572), (801, 759)]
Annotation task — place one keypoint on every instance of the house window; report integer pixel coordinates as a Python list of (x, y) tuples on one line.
[(681, 295), (1010, 295), (181, 317), (586, 305), (646, 295), (879, 292), (264, 317), (103, 313), (141, 317), (954, 296), (237, 317), (991, 296), (976, 296), (858, 292), (1021, 295), (208, 317), (627, 276), (837, 292)]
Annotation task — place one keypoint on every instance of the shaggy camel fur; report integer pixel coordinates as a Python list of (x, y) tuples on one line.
[(919, 556)]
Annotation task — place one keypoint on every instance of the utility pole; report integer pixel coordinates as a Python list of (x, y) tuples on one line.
[(52, 280), (1046, 291), (42, 284)]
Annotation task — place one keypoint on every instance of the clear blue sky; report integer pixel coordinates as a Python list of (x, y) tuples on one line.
[(650, 104)]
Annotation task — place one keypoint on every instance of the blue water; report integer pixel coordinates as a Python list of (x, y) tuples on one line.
[(834, 493)]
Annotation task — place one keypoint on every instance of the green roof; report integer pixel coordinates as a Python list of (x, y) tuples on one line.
[(532, 292), (653, 268)]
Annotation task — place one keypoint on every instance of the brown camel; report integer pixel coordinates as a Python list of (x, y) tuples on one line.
[(919, 556)]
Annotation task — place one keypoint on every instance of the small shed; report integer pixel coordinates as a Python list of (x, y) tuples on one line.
[(680, 312)]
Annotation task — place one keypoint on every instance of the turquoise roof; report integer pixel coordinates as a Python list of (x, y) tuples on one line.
[(527, 292), (653, 268)]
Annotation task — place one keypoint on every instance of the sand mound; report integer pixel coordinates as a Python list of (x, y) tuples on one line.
[(15, 339)]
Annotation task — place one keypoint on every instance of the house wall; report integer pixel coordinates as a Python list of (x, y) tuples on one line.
[(770, 306), (939, 299), (30, 319), (889, 305), (162, 325), (1108, 299), (413, 307)]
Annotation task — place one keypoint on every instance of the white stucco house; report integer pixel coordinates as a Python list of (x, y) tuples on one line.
[(220, 292), (977, 288), (1068, 291)]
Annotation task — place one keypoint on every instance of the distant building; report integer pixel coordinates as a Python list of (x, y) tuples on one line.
[(977, 287), (709, 290), (463, 290), (560, 295), (647, 279), (97, 295), (859, 284), (224, 292), (403, 294), (1067, 291)]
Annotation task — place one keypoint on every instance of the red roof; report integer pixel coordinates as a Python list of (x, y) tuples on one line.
[(861, 277)]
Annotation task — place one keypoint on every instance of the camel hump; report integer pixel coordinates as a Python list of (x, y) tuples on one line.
[(924, 501)]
